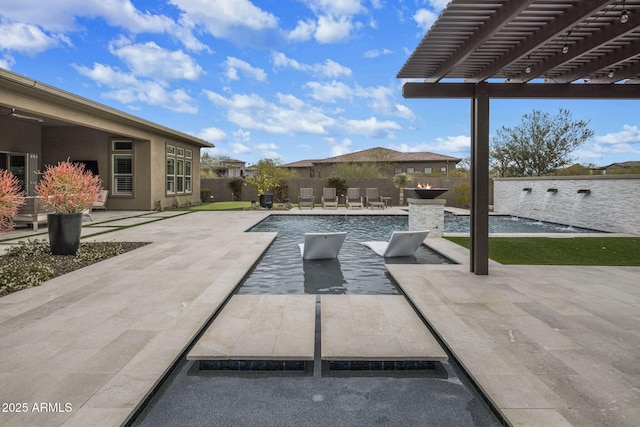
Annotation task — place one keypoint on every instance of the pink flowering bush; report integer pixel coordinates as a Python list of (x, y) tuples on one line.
[(68, 187), (11, 198)]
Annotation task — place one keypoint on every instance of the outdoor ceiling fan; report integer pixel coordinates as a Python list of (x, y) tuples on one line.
[(22, 116)]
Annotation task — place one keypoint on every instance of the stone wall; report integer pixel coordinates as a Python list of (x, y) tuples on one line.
[(221, 192), (610, 203)]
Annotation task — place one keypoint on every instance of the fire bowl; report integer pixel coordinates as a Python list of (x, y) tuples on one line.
[(424, 193)]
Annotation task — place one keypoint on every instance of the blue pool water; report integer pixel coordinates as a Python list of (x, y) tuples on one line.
[(357, 270)]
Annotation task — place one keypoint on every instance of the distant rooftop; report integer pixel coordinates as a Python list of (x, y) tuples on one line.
[(377, 154)]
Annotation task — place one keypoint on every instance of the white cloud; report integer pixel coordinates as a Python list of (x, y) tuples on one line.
[(238, 148), (628, 134), (380, 98), (371, 127), (150, 60), (424, 18), (290, 116), (329, 92), (336, 7), (338, 149), (454, 145), (439, 5), (333, 30), (377, 52), (7, 61), (304, 31), (128, 89), (234, 65), (242, 135), (267, 146), (212, 134), (236, 20), (61, 16), (29, 39), (328, 68)]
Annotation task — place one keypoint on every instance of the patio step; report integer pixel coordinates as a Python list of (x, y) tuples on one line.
[(277, 332)]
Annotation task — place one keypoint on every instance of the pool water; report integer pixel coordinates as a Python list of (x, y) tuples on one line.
[(508, 224), (357, 270)]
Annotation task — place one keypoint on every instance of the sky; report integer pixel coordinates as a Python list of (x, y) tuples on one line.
[(279, 79)]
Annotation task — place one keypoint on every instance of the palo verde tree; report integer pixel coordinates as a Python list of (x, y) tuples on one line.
[(268, 174), (538, 145)]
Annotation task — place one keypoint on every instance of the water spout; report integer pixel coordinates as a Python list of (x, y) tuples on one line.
[(584, 191), (527, 189), (552, 190)]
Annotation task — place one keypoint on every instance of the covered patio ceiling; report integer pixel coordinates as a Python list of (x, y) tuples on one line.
[(483, 49)]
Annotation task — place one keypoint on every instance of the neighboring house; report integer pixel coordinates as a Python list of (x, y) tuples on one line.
[(394, 162), (144, 165), (231, 168), (631, 166)]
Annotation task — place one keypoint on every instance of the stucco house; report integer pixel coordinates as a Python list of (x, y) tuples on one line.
[(394, 162), (144, 165)]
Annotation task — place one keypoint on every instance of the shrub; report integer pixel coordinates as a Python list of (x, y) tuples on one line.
[(11, 198), (68, 187), (205, 195), (281, 191), (236, 185), (463, 195), (338, 183)]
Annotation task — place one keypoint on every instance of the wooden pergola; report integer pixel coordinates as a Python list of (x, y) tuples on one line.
[(483, 49)]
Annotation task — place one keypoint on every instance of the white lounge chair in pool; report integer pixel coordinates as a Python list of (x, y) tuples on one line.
[(321, 245), (402, 243)]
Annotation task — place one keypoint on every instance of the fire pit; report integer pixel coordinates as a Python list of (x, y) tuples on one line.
[(424, 193)]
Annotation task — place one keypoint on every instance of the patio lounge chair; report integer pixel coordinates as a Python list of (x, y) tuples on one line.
[(402, 243), (354, 200), (306, 198), (102, 201), (372, 198), (329, 198), (322, 245)]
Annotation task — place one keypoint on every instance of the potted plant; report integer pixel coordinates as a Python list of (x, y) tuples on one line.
[(70, 190), (11, 198)]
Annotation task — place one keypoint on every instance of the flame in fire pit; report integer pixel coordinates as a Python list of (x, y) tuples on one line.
[(425, 186)]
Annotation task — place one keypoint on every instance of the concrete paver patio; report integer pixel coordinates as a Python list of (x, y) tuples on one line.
[(547, 345)]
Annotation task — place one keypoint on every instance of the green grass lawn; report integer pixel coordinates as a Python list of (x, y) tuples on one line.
[(613, 251)]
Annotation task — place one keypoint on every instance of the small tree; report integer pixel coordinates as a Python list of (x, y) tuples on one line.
[(538, 145), (267, 175), (11, 198)]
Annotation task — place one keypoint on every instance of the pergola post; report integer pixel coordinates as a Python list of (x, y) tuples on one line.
[(479, 262)]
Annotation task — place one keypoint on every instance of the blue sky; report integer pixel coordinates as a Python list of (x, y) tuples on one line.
[(285, 79)]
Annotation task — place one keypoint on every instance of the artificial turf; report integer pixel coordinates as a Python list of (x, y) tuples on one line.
[(607, 251)]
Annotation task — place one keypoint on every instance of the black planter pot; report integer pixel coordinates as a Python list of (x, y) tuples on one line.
[(266, 201), (64, 232)]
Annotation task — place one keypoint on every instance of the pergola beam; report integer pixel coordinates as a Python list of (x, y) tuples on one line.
[(521, 90)]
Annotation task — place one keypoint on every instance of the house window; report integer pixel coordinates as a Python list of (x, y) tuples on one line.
[(187, 176), (443, 170), (428, 170), (411, 170), (171, 178), (123, 174), (179, 170), (122, 171), (398, 170)]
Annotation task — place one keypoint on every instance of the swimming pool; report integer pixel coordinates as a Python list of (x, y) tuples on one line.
[(357, 270)]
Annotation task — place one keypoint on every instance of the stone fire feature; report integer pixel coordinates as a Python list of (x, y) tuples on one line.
[(427, 214)]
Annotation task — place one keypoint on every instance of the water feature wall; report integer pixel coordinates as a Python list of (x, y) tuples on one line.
[(605, 202)]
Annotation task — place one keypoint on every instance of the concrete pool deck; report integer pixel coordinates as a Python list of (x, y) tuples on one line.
[(548, 345)]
